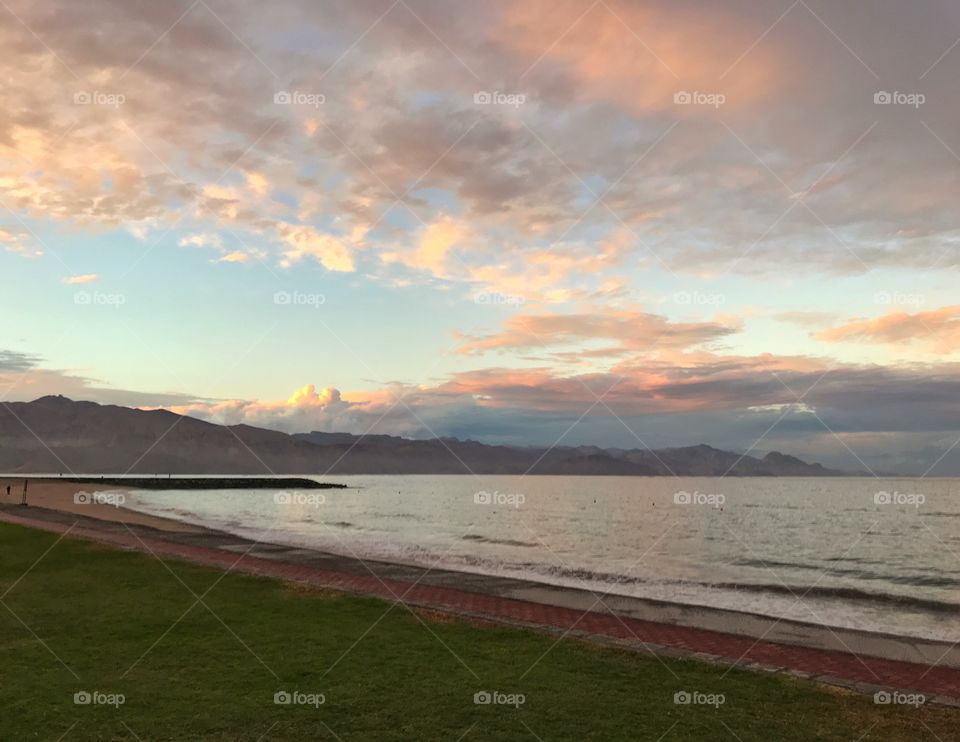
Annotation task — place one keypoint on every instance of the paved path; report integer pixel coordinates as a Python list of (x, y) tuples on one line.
[(939, 684)]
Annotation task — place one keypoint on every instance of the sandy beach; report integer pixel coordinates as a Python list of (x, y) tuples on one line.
[(57, 494)]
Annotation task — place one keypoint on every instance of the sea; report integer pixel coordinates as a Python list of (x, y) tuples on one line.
[(865, 553)]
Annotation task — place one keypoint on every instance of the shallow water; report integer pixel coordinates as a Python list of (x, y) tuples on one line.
[(881, 555)]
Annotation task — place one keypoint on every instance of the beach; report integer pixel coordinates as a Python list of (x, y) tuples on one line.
[(839, 656), (60, 495), (113, 633)]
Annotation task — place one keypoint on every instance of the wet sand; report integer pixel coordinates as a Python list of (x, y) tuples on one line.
[(59, 494)]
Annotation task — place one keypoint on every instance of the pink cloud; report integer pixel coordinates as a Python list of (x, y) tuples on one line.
[(638, 54), (631, 331), (939, 329)]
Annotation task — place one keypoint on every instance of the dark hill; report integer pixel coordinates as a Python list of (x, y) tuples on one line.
[(58, 435)]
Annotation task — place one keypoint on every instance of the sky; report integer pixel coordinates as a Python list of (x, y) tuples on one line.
[(630, 223)]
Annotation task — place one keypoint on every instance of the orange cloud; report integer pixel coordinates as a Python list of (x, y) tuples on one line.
[(302, 411), (304, 241), (85, 278), (14, 239), (202, 240), (939, 328), (702, 383), (258, 183), (639, 54), (234, 257), (631, 331), (434, 245), (553, 275)]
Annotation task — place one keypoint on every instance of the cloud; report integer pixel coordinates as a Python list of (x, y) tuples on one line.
[(434, 245), (938, 329), (306, 409), (16, 362), (593, 150), (630, 331), (331, 252), (85, 278), (153, 118), (258, 183), (637, 55), (24, 376), (234, 257), (727, 401), (16, 240), (215, 242), (202, 240)]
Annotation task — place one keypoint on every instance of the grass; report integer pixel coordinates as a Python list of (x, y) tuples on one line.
[(123, 623)]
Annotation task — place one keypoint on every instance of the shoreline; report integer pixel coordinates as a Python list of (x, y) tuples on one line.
[(59, 494), (177, 481), (739, 622), (53, 504), (865, 663), (884, 476), (207, 483), (562, 586)]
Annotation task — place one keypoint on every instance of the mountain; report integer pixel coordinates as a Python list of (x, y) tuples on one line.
[(59, 435), (56, 434), (389, 454)]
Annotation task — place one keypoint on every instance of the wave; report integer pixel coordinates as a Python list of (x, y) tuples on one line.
[(849, 594), (843, 593), (913, 580), (884, 593), (503, 541)]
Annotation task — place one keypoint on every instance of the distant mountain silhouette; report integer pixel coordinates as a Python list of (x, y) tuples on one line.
[(55, 434), (389, 454)]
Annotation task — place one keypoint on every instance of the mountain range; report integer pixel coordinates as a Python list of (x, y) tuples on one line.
[(54, 434)]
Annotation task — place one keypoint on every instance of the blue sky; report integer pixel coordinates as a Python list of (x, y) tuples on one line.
[(704, 211)]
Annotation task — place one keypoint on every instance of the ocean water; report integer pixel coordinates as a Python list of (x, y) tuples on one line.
[(880, 555)]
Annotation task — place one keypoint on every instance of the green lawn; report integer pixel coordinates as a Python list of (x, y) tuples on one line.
[(384, 675)]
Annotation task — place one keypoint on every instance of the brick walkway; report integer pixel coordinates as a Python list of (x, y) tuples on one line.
[(836, 667)]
